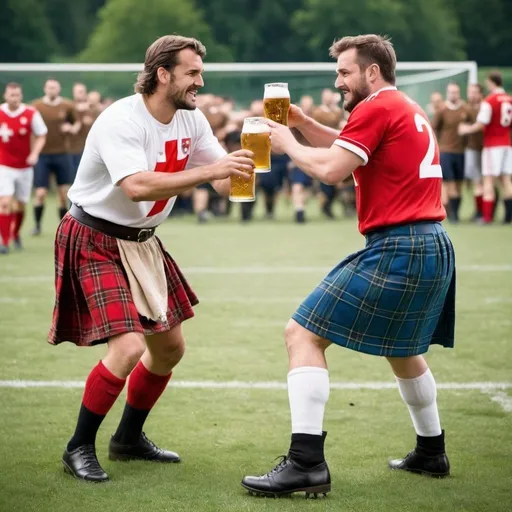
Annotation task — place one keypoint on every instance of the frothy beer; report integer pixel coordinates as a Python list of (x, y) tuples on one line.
[(276, 102), (256, 138)]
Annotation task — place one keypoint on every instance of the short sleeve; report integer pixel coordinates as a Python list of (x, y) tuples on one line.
[(364, 130), (207, 149), (485, 113), (120, 145), (37, 125)]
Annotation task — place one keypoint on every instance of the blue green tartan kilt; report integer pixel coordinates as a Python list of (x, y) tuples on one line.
[(393, 298)]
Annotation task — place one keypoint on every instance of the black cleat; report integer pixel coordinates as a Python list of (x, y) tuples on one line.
[(143, 450), (289, 477), (36, 231), (436, 466), (83, 464), (17, 244), (4, 249)]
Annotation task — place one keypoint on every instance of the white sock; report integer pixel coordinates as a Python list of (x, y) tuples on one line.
[(420, 396), (308, 392)]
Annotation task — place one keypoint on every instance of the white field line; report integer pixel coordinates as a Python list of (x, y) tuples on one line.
[(501, 398), (256, 270), (210, 384), (498, 300)]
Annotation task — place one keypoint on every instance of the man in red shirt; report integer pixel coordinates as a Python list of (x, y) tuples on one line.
[(22, 136), (395, 297), (495, 120)]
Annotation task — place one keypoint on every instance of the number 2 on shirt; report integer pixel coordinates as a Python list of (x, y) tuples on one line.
[(427, 168)]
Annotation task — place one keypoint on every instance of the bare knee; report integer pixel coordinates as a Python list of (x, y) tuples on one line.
[(304, 348), (5, 205), (165, 350), (124, 352), (172, 352)]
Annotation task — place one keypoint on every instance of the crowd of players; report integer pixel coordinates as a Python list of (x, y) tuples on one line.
[(474, 145), (52, 131)]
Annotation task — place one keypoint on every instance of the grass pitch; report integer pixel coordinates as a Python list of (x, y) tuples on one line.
[(250, 278)]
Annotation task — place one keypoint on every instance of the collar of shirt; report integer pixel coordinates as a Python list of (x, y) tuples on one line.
[(453, 106), (13, 113), (52, 103), (387, 88)]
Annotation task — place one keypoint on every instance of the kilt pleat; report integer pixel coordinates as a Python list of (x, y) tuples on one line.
[(93, 301), (393, 298)]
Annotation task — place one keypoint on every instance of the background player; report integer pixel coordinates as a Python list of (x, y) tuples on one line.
[(22, 136), (61, 118), (495, 120)]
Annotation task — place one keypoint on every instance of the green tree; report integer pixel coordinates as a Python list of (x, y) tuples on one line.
[(127, 27), (26, 34), (71, 22), (486, 27), (419, 30), (257, 31)]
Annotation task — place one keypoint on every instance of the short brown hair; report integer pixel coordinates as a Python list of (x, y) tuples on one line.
[(12, 85), (496, 78), (164, 53), (478, 86), (371, 49)]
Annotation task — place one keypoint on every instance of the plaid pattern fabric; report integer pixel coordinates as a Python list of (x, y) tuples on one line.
[(93, 299), (394, 298)]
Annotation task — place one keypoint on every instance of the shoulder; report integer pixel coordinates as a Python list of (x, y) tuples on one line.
[(37, 103), (194, 119), (66, 102), (121, 119), (30, 109)]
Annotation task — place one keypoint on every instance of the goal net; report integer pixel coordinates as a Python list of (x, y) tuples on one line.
[(241, 81)]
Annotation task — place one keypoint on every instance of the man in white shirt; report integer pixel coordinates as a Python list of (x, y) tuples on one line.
[(140, 154)]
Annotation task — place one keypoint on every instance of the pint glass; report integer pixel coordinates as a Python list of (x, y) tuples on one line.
[(276, 102), (256, 138)]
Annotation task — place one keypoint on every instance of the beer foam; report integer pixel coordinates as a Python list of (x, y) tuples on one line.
[(277, 90), (255, 127)]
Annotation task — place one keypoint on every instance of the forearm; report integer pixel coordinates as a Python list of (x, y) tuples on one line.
[(155, 186), (317, 134), (313, 161), (38, 145), (222, 187), (475, 128)]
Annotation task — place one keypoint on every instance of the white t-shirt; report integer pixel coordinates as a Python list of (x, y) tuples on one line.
[(126, 139)]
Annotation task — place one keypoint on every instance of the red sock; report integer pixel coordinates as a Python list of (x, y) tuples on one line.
[(101, 390), (145, 388), (5, 228), (487, 210), (479, 204), (17, 221)]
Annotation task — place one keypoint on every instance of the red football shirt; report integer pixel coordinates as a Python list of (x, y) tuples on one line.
[(496, 114), (16, 129), (400, 180)]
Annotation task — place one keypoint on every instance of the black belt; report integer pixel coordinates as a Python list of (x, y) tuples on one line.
[(109, 228)]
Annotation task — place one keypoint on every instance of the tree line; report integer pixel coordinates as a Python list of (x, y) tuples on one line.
[(253, 30)]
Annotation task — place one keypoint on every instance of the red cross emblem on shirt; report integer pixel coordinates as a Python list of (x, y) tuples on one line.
[(171, 164)]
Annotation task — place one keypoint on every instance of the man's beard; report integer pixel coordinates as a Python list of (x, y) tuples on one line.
[(179, 98), (358, 94)]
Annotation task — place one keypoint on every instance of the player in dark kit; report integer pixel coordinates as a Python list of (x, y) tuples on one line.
[(395, 297)]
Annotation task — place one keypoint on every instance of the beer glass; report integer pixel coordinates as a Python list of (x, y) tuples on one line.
[(276, 102), (241, 190), (256, 138)]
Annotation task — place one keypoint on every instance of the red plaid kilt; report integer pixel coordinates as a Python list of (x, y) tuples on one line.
[(93, 299)]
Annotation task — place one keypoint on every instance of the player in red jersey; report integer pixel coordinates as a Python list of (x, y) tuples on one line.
[(395, 297), (495, 120), (18, 155)]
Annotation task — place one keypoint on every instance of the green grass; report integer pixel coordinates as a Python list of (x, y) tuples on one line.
[(237, 334)]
